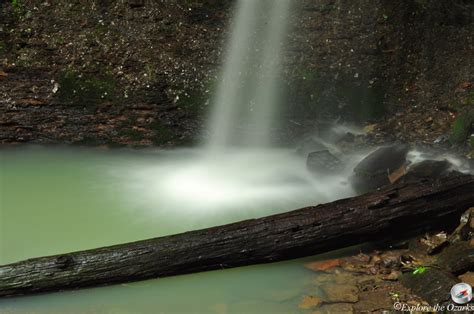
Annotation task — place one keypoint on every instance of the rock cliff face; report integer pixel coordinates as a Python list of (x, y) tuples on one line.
[(140, 72)]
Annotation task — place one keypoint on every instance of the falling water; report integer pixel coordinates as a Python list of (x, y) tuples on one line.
[(245, 104)]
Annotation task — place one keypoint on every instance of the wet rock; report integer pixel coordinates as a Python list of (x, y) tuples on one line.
[(467, 278), (465, 229), (372, 301), (427, 169), (385, 159), (392, 276), (323, 162), (347, 138), (458, 258), (336, 293), (471, 164), (341, 308), (338, 278), (434, 243), (374, 170), (433, 285), (391, 259), (310, 302)]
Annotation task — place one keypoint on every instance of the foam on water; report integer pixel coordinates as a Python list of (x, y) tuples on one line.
[(257, 181)]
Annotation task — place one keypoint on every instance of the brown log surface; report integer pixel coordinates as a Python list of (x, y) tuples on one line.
[(395, 209)]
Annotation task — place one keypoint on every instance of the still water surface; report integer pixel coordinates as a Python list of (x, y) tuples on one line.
[(54, 201)]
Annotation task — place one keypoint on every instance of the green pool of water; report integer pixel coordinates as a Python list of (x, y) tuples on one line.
[(54, 201)]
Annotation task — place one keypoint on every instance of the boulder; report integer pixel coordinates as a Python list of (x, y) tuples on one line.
[(374, 170), (427, 169), (323, 162)]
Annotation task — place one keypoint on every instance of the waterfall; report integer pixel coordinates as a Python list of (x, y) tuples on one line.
[(245, 105)]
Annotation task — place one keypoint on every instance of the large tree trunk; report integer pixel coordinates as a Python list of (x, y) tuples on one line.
[(394, 210)]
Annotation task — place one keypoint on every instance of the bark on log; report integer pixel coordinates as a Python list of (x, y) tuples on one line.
[(394, 210)]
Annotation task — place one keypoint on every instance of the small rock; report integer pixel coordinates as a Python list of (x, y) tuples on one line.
[(336, 293), (465, 229), (467, 278), (393, 276), (391, 259), (323, 162), (434, 243), (427, 169), (347, 138), (373, 301), (310, 302), (342, 308)]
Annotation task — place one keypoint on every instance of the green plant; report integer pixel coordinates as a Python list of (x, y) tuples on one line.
[(15, 3), (419, 270), (461, 128)]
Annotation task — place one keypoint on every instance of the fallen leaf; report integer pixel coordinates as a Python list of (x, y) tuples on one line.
[(3, 73), (466, 85), (323, 265), (397, 174)]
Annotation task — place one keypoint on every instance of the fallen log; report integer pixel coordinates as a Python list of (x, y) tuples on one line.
[(392, 211)]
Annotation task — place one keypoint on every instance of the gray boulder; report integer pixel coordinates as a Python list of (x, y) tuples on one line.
[(372, 172), (427, 169), (323, 162)]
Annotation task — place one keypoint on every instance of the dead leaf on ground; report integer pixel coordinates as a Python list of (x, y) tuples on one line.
[(323, 265)]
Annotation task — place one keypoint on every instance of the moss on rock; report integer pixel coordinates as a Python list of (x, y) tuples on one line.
[(462, 128), (84, 90)]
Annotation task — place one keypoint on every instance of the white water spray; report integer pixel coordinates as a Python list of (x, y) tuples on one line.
[(245, 104)]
